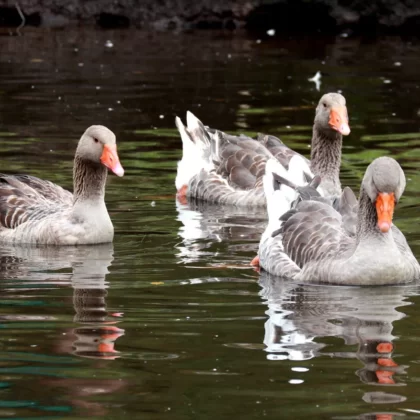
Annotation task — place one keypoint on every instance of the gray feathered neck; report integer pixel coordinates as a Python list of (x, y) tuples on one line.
[(89, 179), (367, 217), (326, 158)]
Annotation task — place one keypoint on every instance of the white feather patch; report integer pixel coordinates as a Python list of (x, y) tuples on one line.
[(279, 201), (194, 152)]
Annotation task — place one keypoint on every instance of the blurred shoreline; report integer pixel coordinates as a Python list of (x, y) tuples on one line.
[(272, 17)]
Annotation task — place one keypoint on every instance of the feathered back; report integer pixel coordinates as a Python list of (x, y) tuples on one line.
[(222, 168), (24, 197)]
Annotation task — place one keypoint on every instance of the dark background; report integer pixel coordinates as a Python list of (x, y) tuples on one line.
[(288, 16)]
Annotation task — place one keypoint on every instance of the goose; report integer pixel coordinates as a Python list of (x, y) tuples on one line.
[(220, 168), (309, 243), (35, 211)]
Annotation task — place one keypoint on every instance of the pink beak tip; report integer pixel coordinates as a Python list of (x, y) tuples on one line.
[(384, 226), (118, 169), (345, 129)]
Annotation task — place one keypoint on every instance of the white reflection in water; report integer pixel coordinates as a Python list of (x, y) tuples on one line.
[(204, 224), (300, 316), (29, 266)]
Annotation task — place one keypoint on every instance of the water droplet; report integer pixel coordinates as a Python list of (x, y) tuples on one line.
[(296, 381), (109, 43), (271, 32), (397, 63), (161, 117)]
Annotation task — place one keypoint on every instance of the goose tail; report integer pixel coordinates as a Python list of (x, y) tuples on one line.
[(196, 150)]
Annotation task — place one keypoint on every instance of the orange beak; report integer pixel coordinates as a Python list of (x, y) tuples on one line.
[(107, 343), (339, 120), (111, 160), (385, 203)]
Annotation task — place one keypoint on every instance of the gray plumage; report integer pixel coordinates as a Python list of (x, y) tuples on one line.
[(34, 211), (221, 168), (313, 243)]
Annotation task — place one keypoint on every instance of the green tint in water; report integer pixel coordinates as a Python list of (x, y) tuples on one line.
[(170, 321)]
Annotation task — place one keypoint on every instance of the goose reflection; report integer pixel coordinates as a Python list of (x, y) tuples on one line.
[(204, 224), (96, 335), (300, 316), (85, 270)]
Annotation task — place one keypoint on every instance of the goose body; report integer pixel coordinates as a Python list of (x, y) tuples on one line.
[(311, 243), (220, 168), (35, 211)]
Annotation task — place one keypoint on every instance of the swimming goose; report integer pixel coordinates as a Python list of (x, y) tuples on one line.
[(221, 168), (34, 211), (311, 244)]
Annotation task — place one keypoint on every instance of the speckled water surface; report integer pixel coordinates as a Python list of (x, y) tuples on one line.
[(169, 321)]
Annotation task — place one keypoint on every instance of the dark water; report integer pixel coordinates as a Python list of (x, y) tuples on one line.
[(169, 321)]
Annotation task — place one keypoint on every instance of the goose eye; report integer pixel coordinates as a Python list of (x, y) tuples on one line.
[(95, 140), (324, 105)]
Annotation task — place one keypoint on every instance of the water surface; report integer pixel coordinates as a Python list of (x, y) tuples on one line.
[(170, 321)]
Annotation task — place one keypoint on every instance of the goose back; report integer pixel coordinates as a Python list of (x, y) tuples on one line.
[(311, 243), (232, 167), (35, 211), (24, 198), (240, 160)]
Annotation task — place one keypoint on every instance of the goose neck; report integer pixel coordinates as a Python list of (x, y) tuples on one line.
[(89, 179), (326, 155)]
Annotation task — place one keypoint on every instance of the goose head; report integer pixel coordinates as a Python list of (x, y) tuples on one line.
[(384, 183), (331, 114), (98, 145)]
